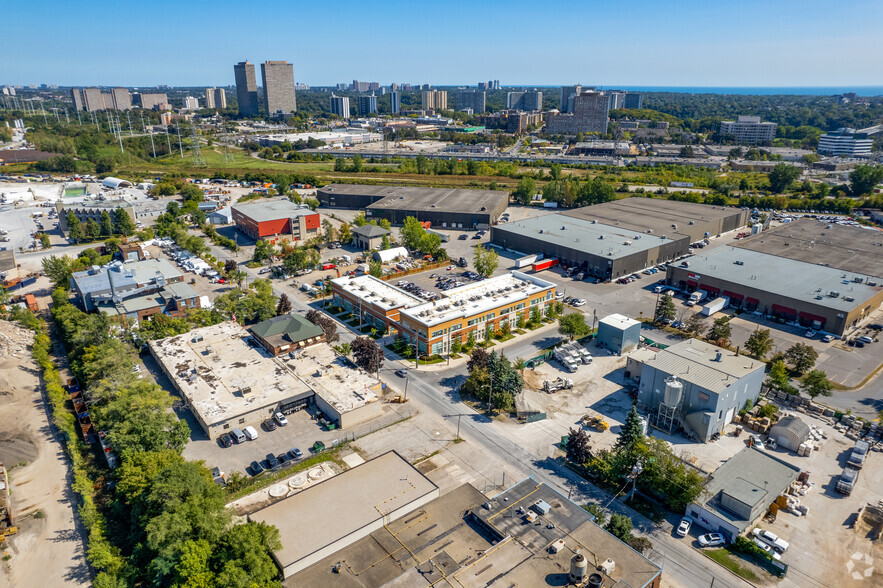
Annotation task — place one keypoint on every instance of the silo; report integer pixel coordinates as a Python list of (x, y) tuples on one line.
[(674, 391), (579, 569)]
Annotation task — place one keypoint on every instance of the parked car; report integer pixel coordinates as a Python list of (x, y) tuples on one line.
[(269, 425), (810, 334), (296, 453), (712, 540), (756, 442), (579, 302), (256, 468), (225, 440), (272, 461), (476, 236), (771, 539), (658, 289), (463, 237), (280, 418), (559, 295), (773, 553), (827, 338), (864, 339), (684, 526), (250, 432)]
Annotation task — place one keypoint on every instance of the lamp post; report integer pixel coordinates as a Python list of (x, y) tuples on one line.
[(490, 393)]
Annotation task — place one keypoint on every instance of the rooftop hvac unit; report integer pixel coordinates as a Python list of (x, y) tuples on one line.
[(692, 222), (608, 566), (738, 262)]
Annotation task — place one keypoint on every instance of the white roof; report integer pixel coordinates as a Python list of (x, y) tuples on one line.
[(388, 255), (618, 321), (111, 182), (377, 292)]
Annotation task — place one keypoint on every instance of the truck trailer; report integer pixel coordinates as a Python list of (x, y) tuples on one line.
[(716, 305)]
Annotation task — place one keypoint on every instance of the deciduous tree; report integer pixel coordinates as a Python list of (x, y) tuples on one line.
[(367, 354), (485, 261), (759, 343), (802, 357), (573, 325), (816, 383)]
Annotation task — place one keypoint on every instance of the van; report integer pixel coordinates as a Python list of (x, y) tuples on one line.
[(251, 433), (238, 436)]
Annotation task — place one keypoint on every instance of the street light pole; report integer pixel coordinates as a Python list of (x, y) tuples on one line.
[(490, 394)]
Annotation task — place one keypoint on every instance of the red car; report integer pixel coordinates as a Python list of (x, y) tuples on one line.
[(328, 266)]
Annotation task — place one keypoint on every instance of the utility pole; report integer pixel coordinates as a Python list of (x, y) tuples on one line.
[(180, 147), (490, 394), (131, 134), (169, 141), (636, 469)]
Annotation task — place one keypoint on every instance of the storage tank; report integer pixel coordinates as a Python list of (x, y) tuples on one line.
[(579, 569), (756, 228), (674, 390), (595, 581)]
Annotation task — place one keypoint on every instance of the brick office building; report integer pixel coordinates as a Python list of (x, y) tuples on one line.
[(271, 220)]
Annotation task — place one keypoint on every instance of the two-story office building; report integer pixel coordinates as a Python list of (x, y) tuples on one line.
[(273, 220)]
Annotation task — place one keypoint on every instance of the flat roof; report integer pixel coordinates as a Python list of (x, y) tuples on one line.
[(425, 199), (478, 297), (125, 274), (221, 375), (338, 381), (781, 276), (328, 512), (750, 476), (695, 361), (583, 235), (619, 321), (268, 210), (852, 249), (655, 214), (376, 291), (7, 260)]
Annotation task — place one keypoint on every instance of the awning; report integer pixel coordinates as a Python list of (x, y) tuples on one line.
[(751, 300), (808, 318), (710, 289), (733, 295), (692, 284), (784, 310)]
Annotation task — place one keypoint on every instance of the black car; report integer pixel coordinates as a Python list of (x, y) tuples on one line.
[(255, 468), (270, 425), (272, 461), (225, 440), (876, 327), (476, 236), (463, 237)]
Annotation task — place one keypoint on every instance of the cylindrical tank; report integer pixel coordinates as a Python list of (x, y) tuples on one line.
[(579, 569), (756, 228), (674, 390), (643, 425), (595, 581)]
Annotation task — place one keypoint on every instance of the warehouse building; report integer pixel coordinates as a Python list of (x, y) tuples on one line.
[(741, 490), (790, 433), (442, 207), (368, 237), (273, 220), (697, 387), (332, 515), (121, 281), (618, 333), (796, 292), (620, 237), (226, 383)]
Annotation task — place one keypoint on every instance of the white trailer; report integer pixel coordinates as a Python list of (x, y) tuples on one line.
[(716, 305)]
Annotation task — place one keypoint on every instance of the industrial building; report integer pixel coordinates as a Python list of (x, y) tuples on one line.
[(286, 333), (697, 387), (442, 207), (749, 129), (810, 294), (228, 384), (617, 238), (528, 535), (84, 211), (620, 334), (121, 281), (741, 490), (368, 236), (332, 515), (790, 432), (271, 220)]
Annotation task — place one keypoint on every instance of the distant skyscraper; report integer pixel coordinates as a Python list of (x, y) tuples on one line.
[(496, 84), (615, 100), (278, 79), (472, 99), (527, 101), (92, 99), (567, 94), (434, 100), (215, 98), (395, 101), (367, 105), (246, 88), (121, 98), (590, 110), (340, 106), (77, 98), (191, 103), (634, 100), (153, 101)]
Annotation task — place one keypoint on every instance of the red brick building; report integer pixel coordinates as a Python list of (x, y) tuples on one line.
[(272, 220)]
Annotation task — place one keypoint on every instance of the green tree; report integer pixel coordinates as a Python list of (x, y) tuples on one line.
[(263, 251), (579, 450), (92, 229), (357, 163), (345, 233), (686, 151), (106, 225), (620, 526), (140, 420), (816, 383), (802, 357), (778, 378), (339, 164), (430, 244), (75, 228), (573, 325), (484, 261), (782, 176), (720, 331), (375, 268), (759, 343), (384, 242), (694, 324), (45, 242), (328, 231), (525, 190), (412, 234), (632, 431), (284, 305), (665, 308), (864, 178), (242, 556), (598, 512)]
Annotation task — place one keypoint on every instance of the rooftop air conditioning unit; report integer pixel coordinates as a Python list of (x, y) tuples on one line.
[(692, 222), (738, 262)]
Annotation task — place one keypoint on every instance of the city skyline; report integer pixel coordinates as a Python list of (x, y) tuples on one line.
[(641, 44)]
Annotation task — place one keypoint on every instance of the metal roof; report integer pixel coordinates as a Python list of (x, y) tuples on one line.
[(128, 274), (370, 231), (269, 210), (294, 326), (703, 364), (783, 277), (425, 199), (619, 321), (793, 425)]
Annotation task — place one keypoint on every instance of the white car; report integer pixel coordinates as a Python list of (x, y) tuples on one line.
[(767, 549), (559, 295), (864, 339), (280, 418), (712, 540), (658, 289), (684, 526), (579, 302), (771, 539), (250, 433), (809, 334), (827, 338)]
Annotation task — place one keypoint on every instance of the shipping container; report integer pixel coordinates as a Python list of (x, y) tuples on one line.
[(545, 264)]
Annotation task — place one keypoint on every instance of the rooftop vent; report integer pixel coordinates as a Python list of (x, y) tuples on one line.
[(718, 356), (739, 262)]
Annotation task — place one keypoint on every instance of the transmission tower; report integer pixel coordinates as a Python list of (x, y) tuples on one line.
[(198, 159), (227, 157)]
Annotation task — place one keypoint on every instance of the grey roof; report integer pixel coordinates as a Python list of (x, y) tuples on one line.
[(852, 249), (582, 235), (370, 231), (128, 275), (268, 210), (751, 476), (293, 326), (694, 361), (784, 277), (224, 212), (416, 198), (179, 290), (793, 425), (7, 260)]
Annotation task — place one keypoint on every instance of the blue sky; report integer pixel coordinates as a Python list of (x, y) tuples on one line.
[(637, 42)]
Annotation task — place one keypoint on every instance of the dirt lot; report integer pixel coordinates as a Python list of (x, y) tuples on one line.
[(48, 550)]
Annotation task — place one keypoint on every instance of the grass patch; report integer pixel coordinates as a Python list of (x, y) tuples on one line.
[(504, 338), (263, 480), (732, 562)]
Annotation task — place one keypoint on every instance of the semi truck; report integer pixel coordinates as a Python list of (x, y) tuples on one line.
[(696, 297), (716, 305)]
